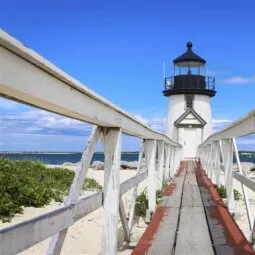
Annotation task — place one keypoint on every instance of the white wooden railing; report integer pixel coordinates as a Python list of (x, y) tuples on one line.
[(216, 155), (28, 78)]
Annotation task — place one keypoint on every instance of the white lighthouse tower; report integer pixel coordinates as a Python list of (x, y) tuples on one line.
[(189, 118)]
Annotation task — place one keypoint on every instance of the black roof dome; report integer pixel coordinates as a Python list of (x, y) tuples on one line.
[(189, 56)]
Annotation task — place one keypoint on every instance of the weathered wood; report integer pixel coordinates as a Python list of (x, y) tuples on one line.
[(167, 162), (164, 239), (150, 160), (13, 240), (245, 195), (124, 221), (21, 236), (57, 240), (244, 126), (227, 147), (217, 163), (172, 172), (249, 183), (193, 235), (132, 208), (112, 150), (35, 78), (132, 182), (160, 172)]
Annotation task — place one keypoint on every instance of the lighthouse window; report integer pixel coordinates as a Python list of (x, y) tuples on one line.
[(189, 100)]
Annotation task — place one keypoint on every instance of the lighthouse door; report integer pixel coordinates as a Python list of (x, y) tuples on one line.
[(190, 142)]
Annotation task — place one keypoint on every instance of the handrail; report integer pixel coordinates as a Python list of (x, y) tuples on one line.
[(216, 155), (25, 87), (27, 77), (241, 127)]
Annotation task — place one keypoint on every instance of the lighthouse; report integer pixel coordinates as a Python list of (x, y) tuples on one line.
[(189, 92)]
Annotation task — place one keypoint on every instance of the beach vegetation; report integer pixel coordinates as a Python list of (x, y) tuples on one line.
[(142, 203), (223, 192), (26, 183)]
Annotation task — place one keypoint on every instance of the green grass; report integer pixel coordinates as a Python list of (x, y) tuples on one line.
[(142, 203), (25, 183), (223, 192)]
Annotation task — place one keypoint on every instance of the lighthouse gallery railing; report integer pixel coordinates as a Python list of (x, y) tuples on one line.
[(217, 153), (27, 77)]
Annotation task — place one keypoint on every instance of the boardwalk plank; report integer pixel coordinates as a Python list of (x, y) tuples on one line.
[(193, 234), (164, 239)]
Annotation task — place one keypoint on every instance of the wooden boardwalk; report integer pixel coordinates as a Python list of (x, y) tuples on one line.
[(184, 224)]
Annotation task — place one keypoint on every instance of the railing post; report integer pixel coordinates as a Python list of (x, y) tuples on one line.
[(227, 146), (172, 162), (132, 209), (150, 160), (246, 198), (210, 162), (167, 161), (161, 157), (58, 239), (217, 164), (112, 150)]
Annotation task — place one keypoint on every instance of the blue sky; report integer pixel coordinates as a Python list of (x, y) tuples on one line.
[(117, 48)]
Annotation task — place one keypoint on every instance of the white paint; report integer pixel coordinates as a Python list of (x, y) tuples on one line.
[(150, 160), (227, 147), (167, 162), (176, 107), (202, 105), (242, 127), (124, 221), (245, 195), (160, 172), (112, 148), (21, 236), (36, 78), (57, 240), (190, 142), (132, 209)]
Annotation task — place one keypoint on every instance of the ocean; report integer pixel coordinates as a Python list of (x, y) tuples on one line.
[(56, 158)]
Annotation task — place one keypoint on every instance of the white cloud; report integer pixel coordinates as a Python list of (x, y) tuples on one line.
[(218, 124), (8, 104), (239, 80), (158, 124)]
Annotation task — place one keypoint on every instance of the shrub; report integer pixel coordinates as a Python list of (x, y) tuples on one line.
[(142, 203), (223, 192), (91, 184), (25, 183)]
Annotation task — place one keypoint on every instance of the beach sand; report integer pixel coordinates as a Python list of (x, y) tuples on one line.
[(84, 237)]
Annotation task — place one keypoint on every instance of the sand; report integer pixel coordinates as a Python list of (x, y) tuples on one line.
[(84, 237)]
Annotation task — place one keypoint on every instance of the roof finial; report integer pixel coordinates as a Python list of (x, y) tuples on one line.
[(189, 45)]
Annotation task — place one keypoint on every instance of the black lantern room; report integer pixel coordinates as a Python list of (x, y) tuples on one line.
[(189, 76)]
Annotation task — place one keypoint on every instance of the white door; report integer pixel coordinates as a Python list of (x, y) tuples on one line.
[(189, 142)]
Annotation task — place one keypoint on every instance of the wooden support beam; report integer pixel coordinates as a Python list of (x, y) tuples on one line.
[(172, 161), (124, 221), (112, 150), (132, 208), (167, 162), (150, 160), (161, 156), (245, 195), (227, 147), (57, 240)]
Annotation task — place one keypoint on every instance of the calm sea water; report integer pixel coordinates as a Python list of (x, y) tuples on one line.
[(60, 158)]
